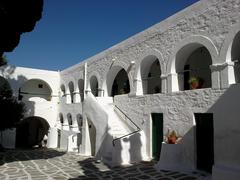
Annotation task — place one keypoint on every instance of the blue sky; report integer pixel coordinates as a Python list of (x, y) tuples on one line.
[(72, 30)]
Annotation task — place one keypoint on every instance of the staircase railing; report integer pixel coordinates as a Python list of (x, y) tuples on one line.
[(130, 120)]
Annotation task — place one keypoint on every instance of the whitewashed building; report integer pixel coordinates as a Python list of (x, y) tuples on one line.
[(119, 104)]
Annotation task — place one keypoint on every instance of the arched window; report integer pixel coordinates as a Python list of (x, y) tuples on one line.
[(81, 88), (61, 118), (71, 90), (35, 90), (151, 75), (235, 56), (69, 118), (193, 67), (94, 85), (79, 120), (63, 90)]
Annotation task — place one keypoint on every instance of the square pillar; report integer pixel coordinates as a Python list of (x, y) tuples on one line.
[(172, 82), (164, 87), (68, 98), (227, 75), (100, 92), (76, 97), (222, 75)]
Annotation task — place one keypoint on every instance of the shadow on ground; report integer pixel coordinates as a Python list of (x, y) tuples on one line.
[(93, 170), (28, 154)]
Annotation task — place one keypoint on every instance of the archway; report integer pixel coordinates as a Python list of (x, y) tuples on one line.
[(70, 121), (35, 90), (94, 85), (60, 120), (235, 56), (151, 75), (79, 120), (193, 67), (92, 135), (81, 88), (71, 90), (63, 90), (117, 81), (31, 131)]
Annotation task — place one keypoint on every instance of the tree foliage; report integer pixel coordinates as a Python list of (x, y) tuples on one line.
[(12, 111), (3, 60), (17, 17)]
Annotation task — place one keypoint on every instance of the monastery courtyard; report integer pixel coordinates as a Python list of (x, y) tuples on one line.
[(41, 164)]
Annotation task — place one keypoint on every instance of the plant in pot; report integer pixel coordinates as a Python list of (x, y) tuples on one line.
[(171, 137), (195, 82)]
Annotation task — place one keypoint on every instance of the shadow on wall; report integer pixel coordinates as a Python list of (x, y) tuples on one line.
[(26, 155), (227, 127), (179, 156)]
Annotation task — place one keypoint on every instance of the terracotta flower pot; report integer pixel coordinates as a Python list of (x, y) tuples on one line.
[(195, 85)]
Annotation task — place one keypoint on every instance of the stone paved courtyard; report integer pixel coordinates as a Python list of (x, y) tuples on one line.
[(43, 164)]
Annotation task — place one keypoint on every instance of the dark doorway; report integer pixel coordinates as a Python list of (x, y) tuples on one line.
[(31, 131), (204, 141), (157, 134), (92, 134)]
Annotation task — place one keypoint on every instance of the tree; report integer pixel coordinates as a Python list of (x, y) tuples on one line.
[(17, 17), (3, 60), (12, 111)]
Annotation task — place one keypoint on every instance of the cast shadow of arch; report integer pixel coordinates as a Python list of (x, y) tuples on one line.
[(28, 155)]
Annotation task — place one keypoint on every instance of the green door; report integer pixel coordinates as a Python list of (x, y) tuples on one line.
[(157, 134)]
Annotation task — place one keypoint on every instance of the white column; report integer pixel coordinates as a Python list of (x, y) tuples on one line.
[(100, 92), (75, 127), (215, 75), (138, 85), (68, 97), (76, 97), (227, 75), (85, 79), (172, 82), (65, 125), (52, 141), (164, 83)]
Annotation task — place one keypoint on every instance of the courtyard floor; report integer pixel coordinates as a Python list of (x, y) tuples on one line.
[(41, 164)]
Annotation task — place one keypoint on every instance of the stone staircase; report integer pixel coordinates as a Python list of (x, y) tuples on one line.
[(117, 148)]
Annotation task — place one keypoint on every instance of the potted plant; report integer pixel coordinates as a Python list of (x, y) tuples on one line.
[(195, 82), (171, 137)]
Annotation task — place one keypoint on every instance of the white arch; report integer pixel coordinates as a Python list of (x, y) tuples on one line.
[(148, 52), (96, 74), (33, 92), (225, 52), (195, 42), (111, 75), (144, 58), (93, 80)]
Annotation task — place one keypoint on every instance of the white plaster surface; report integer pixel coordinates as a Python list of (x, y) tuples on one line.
[(209, 23)]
